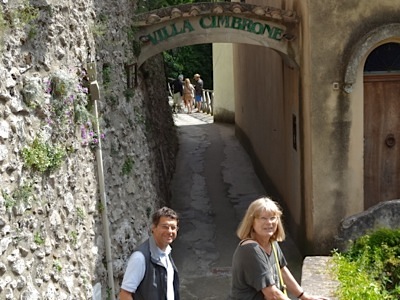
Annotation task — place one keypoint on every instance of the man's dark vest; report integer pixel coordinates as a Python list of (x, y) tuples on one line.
[(177, 86), (154, 283)]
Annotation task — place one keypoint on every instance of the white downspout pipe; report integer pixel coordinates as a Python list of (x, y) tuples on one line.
[(95, 96)]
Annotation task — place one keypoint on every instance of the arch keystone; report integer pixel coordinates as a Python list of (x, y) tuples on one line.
[(153, 18), (194, 11), (237, 9), (275, 14), (259, 11), (176, 13), (218, 9)]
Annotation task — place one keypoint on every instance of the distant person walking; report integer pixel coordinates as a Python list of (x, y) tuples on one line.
[(188, 95), (198, 94), (151, 273), (177, 90)]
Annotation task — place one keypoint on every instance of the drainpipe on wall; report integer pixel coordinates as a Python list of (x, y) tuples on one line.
[(95, 96)]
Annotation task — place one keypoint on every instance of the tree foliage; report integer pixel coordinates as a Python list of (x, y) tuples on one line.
[(148, 5), (190, 60), (187, 60)]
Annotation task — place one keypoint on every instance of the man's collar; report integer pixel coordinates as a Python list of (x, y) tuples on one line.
[(156, 252)]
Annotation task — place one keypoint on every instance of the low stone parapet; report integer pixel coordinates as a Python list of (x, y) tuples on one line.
[(317, 277)]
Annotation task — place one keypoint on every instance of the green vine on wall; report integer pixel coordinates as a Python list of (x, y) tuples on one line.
[(68, 105), (38, 239), (21, 16), (3, 24), (57, 266), (136, 46), (22, 195), (127, 166), (24, 14)]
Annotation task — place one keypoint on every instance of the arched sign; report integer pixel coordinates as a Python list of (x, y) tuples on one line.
[(225, 22)]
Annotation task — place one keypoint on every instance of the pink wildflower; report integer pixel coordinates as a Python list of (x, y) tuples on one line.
[(83, 132)]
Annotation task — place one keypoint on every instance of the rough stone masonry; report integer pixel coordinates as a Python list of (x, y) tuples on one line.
[(52, 243)]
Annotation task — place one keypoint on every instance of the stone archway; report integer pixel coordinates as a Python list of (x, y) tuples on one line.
[(224, 22), (371, 40)]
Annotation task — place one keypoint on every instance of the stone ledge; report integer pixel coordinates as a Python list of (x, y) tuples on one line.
[(216, 8), (316, 278)]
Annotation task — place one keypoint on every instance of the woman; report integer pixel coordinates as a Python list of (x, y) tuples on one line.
[(259, 268), (188, 94)]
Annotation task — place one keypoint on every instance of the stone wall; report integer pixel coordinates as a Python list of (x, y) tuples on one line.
[(383, 215), (52, 243)]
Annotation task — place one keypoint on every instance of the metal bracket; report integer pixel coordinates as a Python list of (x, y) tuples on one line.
[(91, 71), (131, 74)]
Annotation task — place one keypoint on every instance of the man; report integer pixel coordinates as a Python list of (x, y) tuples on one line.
[(151, 273), (177, 89), (198, 91)]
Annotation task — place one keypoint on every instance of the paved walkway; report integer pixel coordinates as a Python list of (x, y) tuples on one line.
[(213, 185)]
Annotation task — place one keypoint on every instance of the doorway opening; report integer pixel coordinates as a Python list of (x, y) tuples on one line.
[(381, 125)]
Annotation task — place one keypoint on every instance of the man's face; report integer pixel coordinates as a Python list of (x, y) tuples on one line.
[(165, 232)]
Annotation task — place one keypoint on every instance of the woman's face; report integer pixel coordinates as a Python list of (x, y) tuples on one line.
[(265, 224)]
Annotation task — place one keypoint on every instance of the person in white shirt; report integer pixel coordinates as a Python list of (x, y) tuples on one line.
[(151, 272)]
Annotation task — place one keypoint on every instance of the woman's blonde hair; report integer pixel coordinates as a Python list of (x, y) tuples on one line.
[(187, 82), (245, 229)]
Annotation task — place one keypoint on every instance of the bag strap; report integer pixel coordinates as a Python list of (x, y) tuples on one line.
[(276, 260), (245, 240), (279, 268)]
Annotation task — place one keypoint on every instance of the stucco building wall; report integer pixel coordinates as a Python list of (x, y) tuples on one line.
[(337, 117), (266, 110), (267, 118), (323, 181), (224, 94)]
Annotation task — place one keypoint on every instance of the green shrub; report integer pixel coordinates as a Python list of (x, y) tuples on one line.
[(19, 15), (38, 239), (127, 166), (3, 24), (57, 266), (129, 93), (106, 74), (43, 156), (9, 201), (22, 194), (26, 13), (370, 269), (80, 213), (74, 237)]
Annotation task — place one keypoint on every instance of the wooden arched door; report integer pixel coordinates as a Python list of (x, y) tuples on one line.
[(382, 125)]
